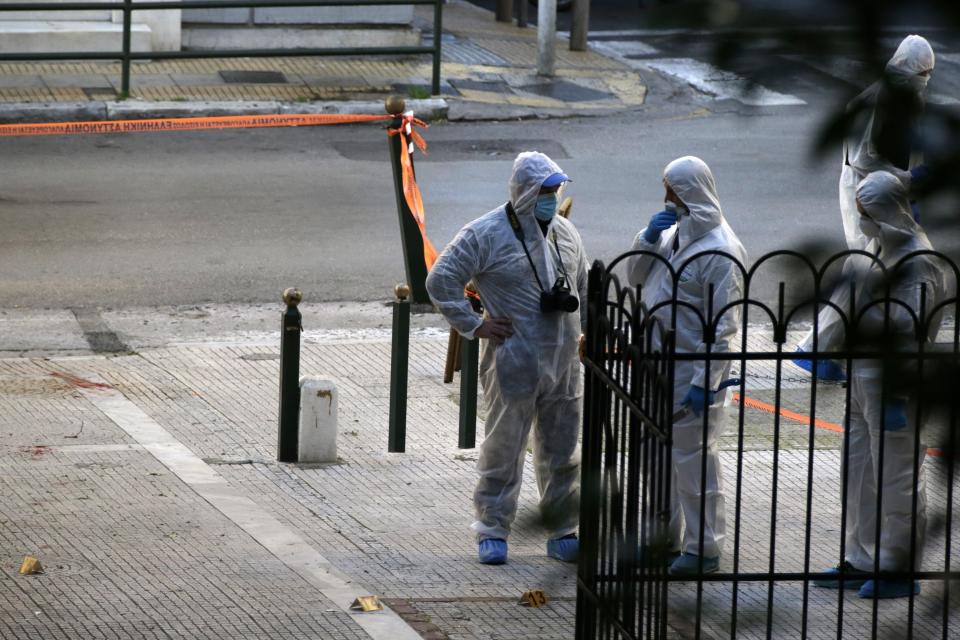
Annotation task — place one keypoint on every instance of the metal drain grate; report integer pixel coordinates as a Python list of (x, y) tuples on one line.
[(253, 77)]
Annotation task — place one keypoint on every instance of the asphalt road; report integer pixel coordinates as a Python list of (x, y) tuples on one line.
[(236, 216)]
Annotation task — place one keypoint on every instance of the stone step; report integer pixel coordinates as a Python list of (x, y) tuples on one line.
[(43, 36)]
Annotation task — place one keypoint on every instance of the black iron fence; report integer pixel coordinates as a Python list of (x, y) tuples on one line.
[(800, 456), (128, 7)]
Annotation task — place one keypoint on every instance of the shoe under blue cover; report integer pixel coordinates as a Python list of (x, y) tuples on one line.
[(889, 588), (493, 551), (688, 564), (827, 370), (565, 549), (851, 580)]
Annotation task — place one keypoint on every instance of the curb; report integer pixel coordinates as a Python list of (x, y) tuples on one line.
[(431, 109)]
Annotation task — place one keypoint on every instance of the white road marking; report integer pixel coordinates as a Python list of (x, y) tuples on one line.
[(719, 83), (276, 537), (623, 48), (846, 69)]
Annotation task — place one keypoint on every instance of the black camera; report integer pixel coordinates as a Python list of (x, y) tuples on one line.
[(558, 298)]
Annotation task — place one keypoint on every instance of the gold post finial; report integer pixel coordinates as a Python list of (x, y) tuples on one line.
[(395, 105), (292, 296), (402, 291)]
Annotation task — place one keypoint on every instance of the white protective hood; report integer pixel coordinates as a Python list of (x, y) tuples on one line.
[(530, 169), (884, 197), (691, 179), (914, 56)]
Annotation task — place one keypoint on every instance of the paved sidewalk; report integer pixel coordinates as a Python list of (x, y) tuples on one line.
[(147, 486), (488, 72)]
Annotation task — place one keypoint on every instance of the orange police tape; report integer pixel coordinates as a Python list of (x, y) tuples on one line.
[(411, 191), (802, 419)]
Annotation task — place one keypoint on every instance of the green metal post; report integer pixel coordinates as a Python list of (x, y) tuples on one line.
[(125, 63), (289, 427), (437, 38), (469, 355), (416, 268), (399, 362)]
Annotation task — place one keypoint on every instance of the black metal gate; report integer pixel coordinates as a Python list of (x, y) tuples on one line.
[(786, 455)]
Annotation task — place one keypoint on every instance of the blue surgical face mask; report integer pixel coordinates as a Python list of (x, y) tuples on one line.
[(546, 207)]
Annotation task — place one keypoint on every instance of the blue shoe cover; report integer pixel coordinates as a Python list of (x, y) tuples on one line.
[(688, 564), (889, 588), (827, 370), (493, 551), (850, 581), (653, 557), (565, 549)]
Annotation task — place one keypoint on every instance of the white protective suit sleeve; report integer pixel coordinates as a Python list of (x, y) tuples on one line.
[(727, 287), (582, 282), (454, 268), (638, 267)]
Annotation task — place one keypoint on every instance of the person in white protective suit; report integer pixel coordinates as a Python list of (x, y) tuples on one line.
[(693, 223), (885, 216), (888, 143), (530, 269)]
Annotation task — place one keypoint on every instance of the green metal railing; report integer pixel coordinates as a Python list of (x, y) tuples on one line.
[(128, 7)]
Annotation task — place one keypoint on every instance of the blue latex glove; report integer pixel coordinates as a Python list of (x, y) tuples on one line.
[(698, 399), (919, 173), (827, 370), (659, 223), (895, 415), (915, 210)]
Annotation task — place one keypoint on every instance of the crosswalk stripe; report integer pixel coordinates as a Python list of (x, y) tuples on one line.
[(719, 83)]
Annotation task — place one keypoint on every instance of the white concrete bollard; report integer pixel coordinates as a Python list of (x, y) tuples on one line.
[(318, 420)]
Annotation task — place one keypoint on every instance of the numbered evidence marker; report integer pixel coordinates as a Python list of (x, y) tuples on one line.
[(534, 598), (30, 566), (367, 603)]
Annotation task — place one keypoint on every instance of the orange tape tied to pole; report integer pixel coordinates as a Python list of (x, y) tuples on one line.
[(411, 191)]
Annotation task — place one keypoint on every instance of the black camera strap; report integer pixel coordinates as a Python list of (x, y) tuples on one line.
[(560, 258), (518, 231)]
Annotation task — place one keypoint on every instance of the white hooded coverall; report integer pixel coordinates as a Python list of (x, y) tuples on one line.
[(884, 197), (861, 157), (533, 378), (704, 229)]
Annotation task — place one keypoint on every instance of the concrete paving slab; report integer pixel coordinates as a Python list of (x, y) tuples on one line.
[(20, 331), (193, 79), (78, 81), (21, 81)]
